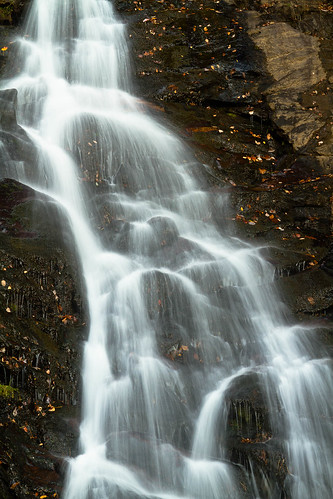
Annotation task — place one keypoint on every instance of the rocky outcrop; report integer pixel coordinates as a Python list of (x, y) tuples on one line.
[(42, 325), (295, 67), (248, 85)]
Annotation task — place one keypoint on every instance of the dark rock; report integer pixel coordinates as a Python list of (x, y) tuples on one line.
[(165, 230), (295, 66), (11, 10), (19, 155), (250, 439), (42, 321), (179, 253), (8, 100), (327, 262), (115, 234)]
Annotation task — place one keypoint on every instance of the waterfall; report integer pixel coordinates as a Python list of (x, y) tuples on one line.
[(163, 282)]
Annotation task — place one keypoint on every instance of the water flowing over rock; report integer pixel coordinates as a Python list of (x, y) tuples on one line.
[(197, 381)]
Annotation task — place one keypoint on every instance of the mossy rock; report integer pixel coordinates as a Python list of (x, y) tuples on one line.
[(8, 392), (6, 13), (11, 10)]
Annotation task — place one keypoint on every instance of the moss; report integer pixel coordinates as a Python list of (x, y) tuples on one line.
[(6, 12), (7, 391)]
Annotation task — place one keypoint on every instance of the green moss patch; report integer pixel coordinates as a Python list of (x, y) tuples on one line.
[(7, 391)]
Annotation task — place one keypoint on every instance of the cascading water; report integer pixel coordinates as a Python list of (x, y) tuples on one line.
[(152, 428)]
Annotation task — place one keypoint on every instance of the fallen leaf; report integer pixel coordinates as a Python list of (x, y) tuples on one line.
[(201, 129)]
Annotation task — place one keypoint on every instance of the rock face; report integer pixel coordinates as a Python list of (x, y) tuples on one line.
[(251, 441), (41, 328), (248, 85), (42, 323), (295, 66)]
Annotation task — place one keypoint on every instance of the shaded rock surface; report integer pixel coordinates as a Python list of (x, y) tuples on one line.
[(295, 66), (251, 440), (42, 327)]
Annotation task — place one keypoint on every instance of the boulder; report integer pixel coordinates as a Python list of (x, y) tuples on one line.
[(295, 66)]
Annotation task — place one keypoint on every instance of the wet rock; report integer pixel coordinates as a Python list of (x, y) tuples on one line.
[(295, 66), (165, 230), (8, 99), (11, 10), (115, 234), (248, 118), (312, 291), (11, 16), (168, 306), (180, 253), (250, 440), (42, 321), (18, 153), (327, 262)]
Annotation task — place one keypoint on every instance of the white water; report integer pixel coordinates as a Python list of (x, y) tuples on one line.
[(151, 427)]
